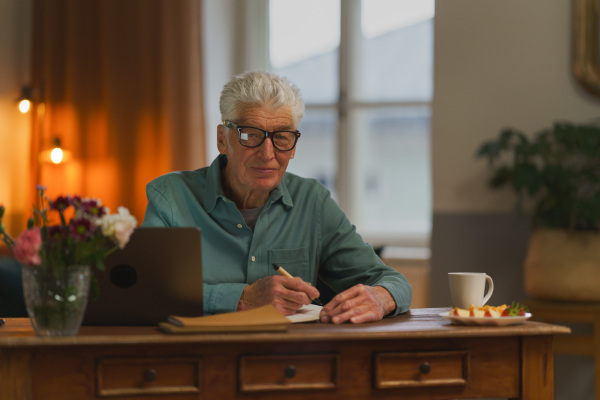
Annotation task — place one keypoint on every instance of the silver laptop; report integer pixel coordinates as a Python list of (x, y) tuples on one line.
[(158, 273)]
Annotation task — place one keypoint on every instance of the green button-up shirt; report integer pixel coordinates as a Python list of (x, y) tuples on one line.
[(300, 227)]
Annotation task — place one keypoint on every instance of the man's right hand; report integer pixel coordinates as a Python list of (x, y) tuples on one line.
[(286, 294)]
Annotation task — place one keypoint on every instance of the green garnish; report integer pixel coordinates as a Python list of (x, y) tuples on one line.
[(517, 309)]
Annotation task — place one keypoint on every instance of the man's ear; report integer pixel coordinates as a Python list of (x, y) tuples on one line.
[(221, 139)]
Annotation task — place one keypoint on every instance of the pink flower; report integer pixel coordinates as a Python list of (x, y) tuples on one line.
[(27, 247)]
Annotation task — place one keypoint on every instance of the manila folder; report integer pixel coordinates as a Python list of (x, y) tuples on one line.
[(265, 318)]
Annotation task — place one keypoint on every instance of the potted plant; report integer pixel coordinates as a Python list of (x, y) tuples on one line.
[(558, 169)]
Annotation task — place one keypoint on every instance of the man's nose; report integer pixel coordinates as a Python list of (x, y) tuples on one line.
[(266, 149)]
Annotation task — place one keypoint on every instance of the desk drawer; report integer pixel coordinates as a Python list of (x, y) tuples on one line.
[(135, 376), (288, 372), (403, 370)]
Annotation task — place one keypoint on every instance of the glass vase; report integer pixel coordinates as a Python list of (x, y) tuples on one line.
[(56, 298)]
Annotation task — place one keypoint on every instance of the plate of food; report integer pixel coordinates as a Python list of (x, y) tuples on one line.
[(503, 315)]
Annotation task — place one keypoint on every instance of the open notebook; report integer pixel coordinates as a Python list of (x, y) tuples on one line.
[(306, 313), (158, 273)]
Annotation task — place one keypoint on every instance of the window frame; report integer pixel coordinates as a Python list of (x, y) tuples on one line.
[(253, 23)]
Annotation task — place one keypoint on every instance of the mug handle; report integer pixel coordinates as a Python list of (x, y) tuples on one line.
[(490, 283)]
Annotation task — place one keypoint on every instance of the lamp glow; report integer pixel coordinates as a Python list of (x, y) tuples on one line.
[(24, 106), (56, 155)]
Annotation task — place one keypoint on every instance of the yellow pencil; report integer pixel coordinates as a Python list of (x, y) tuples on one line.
[(283, 272)]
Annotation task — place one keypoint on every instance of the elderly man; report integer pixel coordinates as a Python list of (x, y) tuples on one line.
[(253, 214)]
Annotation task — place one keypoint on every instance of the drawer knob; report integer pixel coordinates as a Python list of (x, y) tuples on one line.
[(425, 368), (289, 371), (150, 375)]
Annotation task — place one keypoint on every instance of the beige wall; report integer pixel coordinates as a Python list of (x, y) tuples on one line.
[(15, 38), (497, 64)]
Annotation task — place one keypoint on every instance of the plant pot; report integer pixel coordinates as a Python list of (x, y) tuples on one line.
[(56, 299), (563, 265)]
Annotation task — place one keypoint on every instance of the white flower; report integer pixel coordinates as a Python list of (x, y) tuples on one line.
[(119, 226)]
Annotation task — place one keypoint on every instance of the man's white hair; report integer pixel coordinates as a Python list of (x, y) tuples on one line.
[(259, 89)]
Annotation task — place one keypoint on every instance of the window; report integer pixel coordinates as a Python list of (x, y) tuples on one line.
[(365, 69)]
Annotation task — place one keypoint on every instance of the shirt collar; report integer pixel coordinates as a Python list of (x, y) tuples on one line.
[(281, 192), (213, 184), (216, 190)]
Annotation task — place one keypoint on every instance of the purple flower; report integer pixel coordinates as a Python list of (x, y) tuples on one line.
[(27, 247), (93, 207), (76, 201), (56, 233), (61, 203), (81, 229)]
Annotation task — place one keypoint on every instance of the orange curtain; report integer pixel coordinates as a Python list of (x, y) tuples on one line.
[(122, 89)]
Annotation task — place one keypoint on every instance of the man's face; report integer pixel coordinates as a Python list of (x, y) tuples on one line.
[(258, 169)]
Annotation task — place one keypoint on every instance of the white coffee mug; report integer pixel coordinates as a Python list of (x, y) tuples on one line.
[(468, 288)]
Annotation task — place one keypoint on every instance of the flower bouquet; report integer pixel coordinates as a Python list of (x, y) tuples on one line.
[(65, 238)]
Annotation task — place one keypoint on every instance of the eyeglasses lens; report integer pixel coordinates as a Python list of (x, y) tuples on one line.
[(251, 137)]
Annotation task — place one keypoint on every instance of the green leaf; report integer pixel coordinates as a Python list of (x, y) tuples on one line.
[(94, 287), (500, 177), (526, 176), (516, 309), (489, 149)]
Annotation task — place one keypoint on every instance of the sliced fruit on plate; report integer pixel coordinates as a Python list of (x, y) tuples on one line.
[(491, 311), (459, 312), (516, 309), (476, 311)]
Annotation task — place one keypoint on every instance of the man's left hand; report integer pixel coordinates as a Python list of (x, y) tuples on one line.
[(358, 304)]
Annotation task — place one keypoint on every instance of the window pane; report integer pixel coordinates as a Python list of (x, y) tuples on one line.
[(315, 152), (388, 192), (397, 170), (304, 37), (396, 54)]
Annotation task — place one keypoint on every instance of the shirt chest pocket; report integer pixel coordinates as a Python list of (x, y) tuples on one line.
[(294, 261)]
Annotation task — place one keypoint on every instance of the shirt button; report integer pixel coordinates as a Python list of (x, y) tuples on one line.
[(239, 226), (253, 258)]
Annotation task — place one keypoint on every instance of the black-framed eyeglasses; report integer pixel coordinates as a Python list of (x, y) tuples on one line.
[(250, 136)]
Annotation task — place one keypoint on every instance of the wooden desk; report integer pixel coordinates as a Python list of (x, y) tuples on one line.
[(418, 355)]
